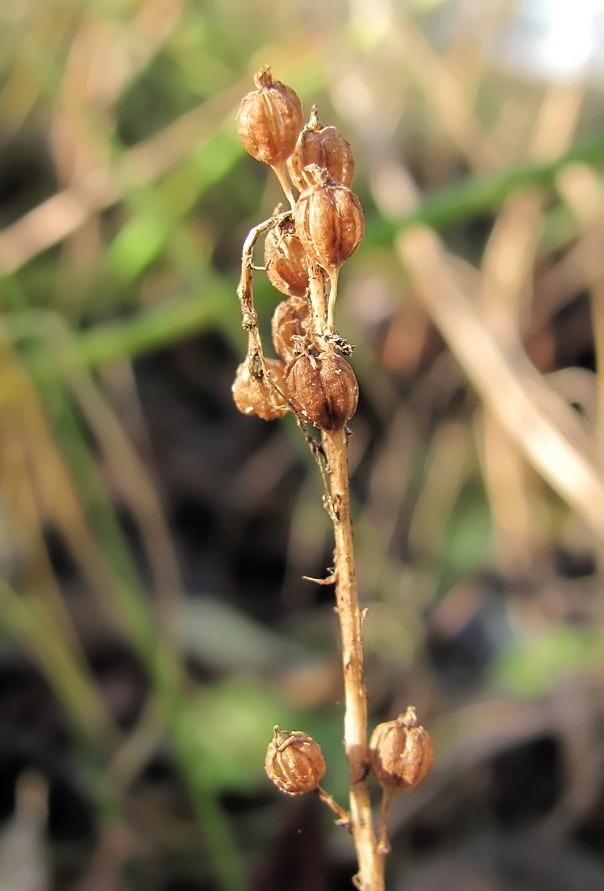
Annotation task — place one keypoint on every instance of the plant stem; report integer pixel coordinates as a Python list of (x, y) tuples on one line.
[(281, 174), (371, 873), (343, 818), (388, 794)]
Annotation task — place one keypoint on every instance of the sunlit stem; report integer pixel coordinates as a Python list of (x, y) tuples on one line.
[(281, 174), (350, 617), (388, 793), (318, 300), (342, 815), (333, 293)]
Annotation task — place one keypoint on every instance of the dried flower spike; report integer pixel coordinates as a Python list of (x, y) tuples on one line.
[(285, 260), (254, 396), (401, 752), (322, 390), (324, 146), (329, 220), (294, 762), (269, 119)]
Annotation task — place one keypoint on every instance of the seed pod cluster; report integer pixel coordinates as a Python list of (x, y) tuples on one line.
[(254, 396), (294, 762), (401, 752), (325, 147), (322, 390), (303, 252)]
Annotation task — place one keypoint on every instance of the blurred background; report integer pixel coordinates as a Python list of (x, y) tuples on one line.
[(154, 623)]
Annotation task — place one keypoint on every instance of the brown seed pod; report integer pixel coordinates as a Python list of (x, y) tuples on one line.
[(322, 390), (285, 260), (269, 119), (324, 146), (401, 752), (290, 319), (253, 396), (294, 762), (329, 220)]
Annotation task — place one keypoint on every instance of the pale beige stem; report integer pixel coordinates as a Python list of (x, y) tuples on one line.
[(281, 174), (249, 319), (371, 872), (333, 293), (318, 301), (388, 794), (343, 818)]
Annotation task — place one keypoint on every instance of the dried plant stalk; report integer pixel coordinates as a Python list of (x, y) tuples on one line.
[(370, 876), (314, 381)]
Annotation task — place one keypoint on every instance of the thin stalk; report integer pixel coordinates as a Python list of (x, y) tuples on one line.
[(249, 321), (281, 174), (343, 818), (370, 876), (333, 293), (388, 793), (318, 302)]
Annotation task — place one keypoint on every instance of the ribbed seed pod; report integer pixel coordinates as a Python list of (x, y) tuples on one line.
[(401, 752), (324, 146), (294, 762), (285, 260), (269, 119), (322, 390), (329, 220), (256, 397), (291, 319)]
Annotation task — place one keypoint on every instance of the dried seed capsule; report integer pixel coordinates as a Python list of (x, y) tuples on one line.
[(323, 390), (324, 146), (269, 119), (294, 762), (254, 396), (290, 319), (329, 220), (285, 260), (401, 752)]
